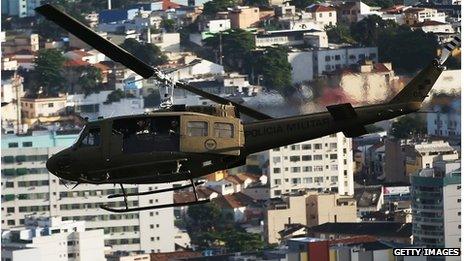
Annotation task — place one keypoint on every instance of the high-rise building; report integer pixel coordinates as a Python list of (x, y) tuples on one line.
[(52, 239), (436, 205), (323, 164), (20, 8), (29, 189)]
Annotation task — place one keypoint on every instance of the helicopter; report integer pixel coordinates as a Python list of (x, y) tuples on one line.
[(181, 142)]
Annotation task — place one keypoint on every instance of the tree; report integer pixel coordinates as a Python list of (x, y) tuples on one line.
[(147, 52), (204, 217), (368, 29), (48, 69), (407, 126), (339, 34), (236, 46), (381, 3), (275, 68), (407, 50), (90, 79), (241, 241), (117, 95), (212, 7), (257, 2), (169, 25)]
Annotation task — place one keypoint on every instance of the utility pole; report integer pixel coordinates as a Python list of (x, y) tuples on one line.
[(220, 48)]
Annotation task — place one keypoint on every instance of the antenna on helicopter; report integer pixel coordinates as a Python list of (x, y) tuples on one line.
[(168, 100)]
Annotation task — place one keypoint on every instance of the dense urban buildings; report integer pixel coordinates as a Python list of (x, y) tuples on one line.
[(331, 198)]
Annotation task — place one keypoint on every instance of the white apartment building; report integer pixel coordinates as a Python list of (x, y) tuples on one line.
[(306, 65), (436, 207), (324, 164), (417, 15), (445, 122), (436, 150), (29, 189), (50, 239)]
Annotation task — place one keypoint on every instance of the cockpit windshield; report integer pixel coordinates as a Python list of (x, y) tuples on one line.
[(91, 138), (146, 134)]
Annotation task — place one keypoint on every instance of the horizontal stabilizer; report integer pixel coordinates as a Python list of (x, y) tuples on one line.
[(346, 112)]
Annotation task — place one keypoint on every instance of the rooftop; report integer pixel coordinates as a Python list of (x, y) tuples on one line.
[(378, 229), (368, 196)]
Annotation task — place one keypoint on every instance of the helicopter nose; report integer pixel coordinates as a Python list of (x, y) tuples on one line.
[(52, 165), (60, 165)]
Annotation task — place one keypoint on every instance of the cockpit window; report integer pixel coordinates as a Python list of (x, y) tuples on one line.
[(91, 138), (197, 129), (223, 130)]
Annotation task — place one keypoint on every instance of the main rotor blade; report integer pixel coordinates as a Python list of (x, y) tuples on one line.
[(87, 35), (241, 108)]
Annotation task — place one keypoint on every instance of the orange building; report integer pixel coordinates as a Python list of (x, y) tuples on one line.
[(244, 17)]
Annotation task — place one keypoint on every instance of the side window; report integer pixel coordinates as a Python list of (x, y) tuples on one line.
[(197, 129), (92, 138), (223, 130)]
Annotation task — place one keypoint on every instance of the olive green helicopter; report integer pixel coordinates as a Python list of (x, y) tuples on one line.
[(186, 142)]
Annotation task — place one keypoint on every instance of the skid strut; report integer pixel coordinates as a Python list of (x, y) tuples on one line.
[(128, 209)]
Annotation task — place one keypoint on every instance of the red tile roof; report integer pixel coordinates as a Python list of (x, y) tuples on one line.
[(380, 67), (320, 8), (414, 10), (353, 240), (75, 63), (240, 178), (232, 201), (188, 196)]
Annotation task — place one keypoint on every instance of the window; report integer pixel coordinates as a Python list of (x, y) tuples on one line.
[(276, 159), (318, 146), (276, 170), (306, 158), (50, 105), (327, 58), (10, 210), (12, 145), (27, 144), (296, 181), (318, 168), (295, 169), (333, 167), (307, 169), (197, 129), (294, 158), (333, 156), (295, 147), (337, 57), (333, 145), (277, 192), (92, 138), (222, 130), (307, 180), (306, 146), (277, 181), (317, 157)]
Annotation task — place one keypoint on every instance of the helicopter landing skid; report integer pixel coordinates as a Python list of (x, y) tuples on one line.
[(128, 209)]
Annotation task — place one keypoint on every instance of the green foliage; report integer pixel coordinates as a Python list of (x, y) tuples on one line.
[(90, 79), (408, 50), (339, 34), (241, 241), (169, 25), (117, 95), (367, 31), (236, 46), (212, 7), (147, 52), (48, 69), (407, 126), (204, 217), (275, 68), (257, 2)]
